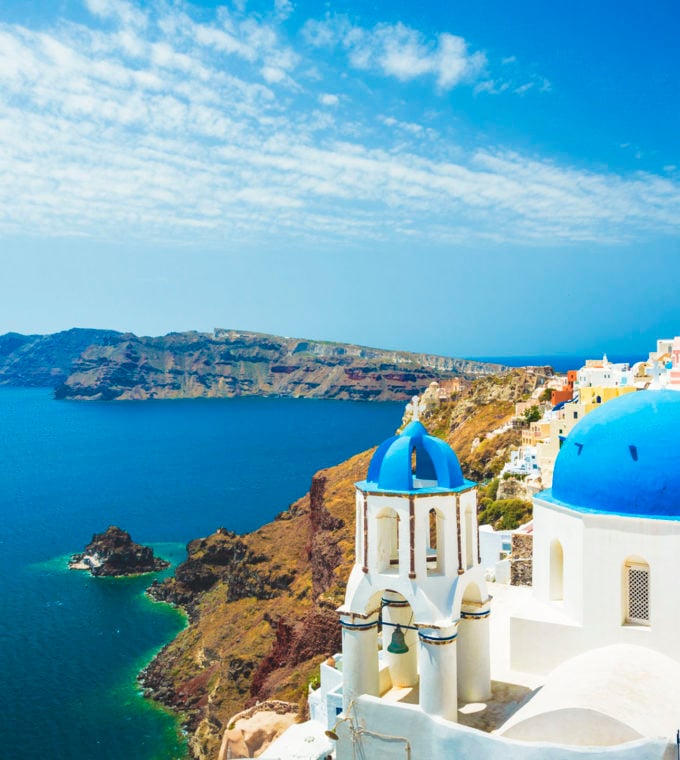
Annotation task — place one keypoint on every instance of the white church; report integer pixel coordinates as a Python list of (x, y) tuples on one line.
[(436, 662)]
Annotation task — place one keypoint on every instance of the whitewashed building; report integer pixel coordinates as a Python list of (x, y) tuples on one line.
[(585, 664)]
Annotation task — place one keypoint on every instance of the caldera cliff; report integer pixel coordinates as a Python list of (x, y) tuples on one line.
[(229, 363)]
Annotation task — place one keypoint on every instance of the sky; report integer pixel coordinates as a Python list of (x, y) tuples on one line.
[(468, 179)]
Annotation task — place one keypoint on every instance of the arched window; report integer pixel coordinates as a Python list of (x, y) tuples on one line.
[(636, 592), (435, 542), (556, 571), (388, 541)]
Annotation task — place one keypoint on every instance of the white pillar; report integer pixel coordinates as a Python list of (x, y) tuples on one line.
[(474, 675), (359, 658), (438, 666), (403, 667)]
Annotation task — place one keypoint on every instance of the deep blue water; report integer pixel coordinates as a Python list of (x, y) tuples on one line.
[(70, 644)]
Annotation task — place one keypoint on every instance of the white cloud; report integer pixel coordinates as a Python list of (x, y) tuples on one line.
[(283, 8), (272, 74), (184, 128), (523, 88), (120, 10), (399, 51)]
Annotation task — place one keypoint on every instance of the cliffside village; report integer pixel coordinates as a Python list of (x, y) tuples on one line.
[(557, 640)]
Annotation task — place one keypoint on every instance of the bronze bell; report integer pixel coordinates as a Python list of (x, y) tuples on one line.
[(398, 644)]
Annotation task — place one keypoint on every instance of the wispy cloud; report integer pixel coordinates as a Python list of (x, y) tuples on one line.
[(399, 51), (328, 99), (153, 124)]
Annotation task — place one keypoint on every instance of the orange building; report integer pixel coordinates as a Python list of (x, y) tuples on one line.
[(566, 392)]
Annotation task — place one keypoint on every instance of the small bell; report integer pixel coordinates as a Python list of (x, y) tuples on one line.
[(398, 644)]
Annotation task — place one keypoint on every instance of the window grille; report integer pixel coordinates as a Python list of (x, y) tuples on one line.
[(638, 594)]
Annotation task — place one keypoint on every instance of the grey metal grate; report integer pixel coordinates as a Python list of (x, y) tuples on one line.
[(638, 594)]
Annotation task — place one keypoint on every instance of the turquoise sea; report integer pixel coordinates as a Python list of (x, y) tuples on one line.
[(167, 472)]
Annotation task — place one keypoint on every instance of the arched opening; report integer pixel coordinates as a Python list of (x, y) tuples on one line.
[(387, 547), (468, 539), (636, 592), (435, 542), (556, 571), (398, 657)]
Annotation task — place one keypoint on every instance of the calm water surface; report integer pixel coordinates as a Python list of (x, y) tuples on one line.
[(70, 644)]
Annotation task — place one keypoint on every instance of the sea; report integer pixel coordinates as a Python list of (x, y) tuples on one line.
[(166, 471)]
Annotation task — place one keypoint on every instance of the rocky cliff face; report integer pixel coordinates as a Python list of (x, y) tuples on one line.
[(260, 610), (45, 360), (114, 553), (230, 363), (262, 605)]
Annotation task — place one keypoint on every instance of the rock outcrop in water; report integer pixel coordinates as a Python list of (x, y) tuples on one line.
[(230, 363), (114, 553)]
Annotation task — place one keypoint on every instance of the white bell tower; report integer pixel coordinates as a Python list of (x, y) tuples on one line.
[(417, 575)]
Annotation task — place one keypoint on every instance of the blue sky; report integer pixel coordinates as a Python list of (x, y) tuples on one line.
[(465, 179)]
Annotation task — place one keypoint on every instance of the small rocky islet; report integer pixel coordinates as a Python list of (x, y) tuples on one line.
[(113, 553)]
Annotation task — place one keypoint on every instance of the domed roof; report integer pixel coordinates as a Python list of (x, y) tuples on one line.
[(624, 458), (436, 466)]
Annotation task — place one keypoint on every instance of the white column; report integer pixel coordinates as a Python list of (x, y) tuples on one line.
[(474, 676), (438, 666), (403, 667), (359, 657)]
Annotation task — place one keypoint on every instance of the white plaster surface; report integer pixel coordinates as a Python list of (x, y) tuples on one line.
[(302, 741), (605, 696)]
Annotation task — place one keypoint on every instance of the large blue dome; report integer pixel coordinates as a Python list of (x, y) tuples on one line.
[(624, 458), (436, 466)]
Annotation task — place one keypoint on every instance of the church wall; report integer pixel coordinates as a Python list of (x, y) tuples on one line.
[(595, 548), (431, 737), (551, 525), (608, 542)]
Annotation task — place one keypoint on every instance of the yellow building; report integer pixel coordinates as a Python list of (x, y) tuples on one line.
[(595, 396), (537, 431)]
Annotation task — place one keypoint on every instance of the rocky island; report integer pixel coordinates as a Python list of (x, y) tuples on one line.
[(114, 553)]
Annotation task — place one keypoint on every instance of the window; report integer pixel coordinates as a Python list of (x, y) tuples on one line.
[(556, 571), (637, 592), (388, 541)]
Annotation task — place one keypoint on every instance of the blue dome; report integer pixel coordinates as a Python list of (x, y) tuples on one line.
[(624, 458), (436, 466)]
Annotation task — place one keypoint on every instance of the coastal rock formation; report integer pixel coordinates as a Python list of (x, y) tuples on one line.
[(230, 363), (45, 361), (262, 605), (114, 553)]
